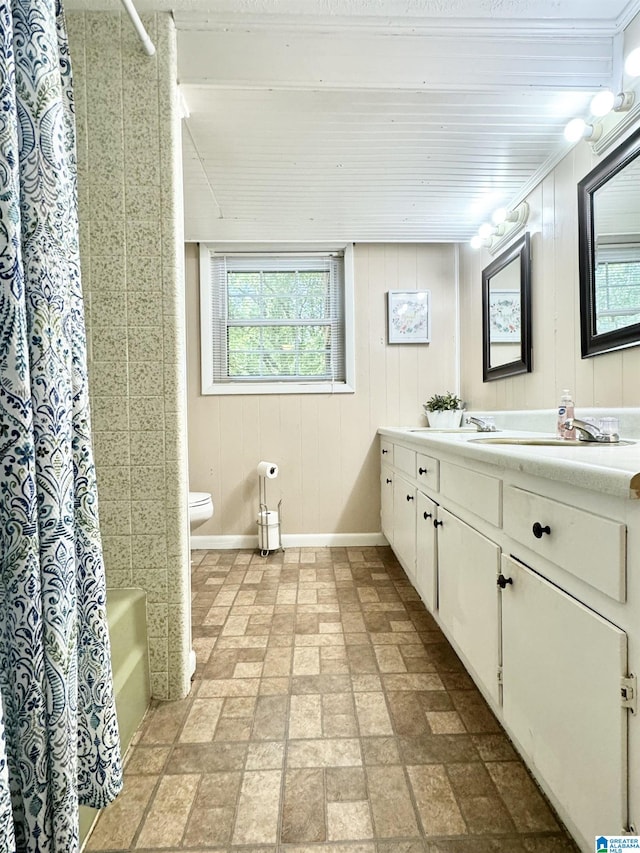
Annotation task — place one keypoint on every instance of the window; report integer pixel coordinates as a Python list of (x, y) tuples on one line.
[(276, 321), (617, 286)]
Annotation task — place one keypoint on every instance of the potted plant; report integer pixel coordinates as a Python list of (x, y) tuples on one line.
[(443, 411)]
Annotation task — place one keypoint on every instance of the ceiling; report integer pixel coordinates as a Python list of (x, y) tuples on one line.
[(379, 120)]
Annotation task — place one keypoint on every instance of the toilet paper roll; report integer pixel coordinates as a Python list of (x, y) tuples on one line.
[(268, 470), (268, 530), (268, 517), (273, 542)]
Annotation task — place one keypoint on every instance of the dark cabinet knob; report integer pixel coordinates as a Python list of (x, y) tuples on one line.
[(384, 451), (422, 470), (389, 481), (502, 581), (409, 497), (437, 523), (427, 515), (538, 530)]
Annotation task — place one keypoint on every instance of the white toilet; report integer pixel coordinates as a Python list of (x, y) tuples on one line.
[(200, 509)]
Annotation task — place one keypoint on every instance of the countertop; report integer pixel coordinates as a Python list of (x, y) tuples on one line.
[(608, 469)]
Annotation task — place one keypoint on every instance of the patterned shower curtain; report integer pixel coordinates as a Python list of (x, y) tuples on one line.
[(59, 741)]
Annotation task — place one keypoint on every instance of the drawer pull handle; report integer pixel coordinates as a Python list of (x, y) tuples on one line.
[(538, 530), (427, 515), (437, 523), (502, 581), (385, 451), (422, 470), (409, 497), (389, 481)]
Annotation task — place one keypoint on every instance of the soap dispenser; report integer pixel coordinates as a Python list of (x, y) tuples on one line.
[(565, 410)]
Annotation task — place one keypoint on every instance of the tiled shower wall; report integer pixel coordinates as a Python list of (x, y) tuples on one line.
[(131, 250)]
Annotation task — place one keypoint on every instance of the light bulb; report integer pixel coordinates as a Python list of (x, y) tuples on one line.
[(485, 230), (632, 63), (575, 130), (499, 216), (603, 103), (476, 242)]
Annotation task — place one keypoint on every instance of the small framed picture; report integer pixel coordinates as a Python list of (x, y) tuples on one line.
[(504, 316), (409, 316)]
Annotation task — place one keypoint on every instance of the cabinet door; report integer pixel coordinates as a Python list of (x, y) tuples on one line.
[(404, 524), (386, 503), (468, 566), (562, 665), (426, 557)]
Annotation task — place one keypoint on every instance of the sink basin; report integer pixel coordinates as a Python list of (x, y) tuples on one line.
[(432, 429), (548, 442)]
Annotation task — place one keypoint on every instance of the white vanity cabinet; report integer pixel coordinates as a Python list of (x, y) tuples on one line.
[(426, 551), (468, 565), (404, 524), (562, 669), (386, 502), (530, 581)]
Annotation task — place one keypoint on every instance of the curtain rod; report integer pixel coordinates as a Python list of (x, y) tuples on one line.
[(147, 44)]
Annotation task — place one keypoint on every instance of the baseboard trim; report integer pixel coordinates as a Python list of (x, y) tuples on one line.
[(291, 540)]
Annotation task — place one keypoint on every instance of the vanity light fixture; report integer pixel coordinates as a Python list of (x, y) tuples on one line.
[(578, 129), (605, 102), (517, 216), (506, 223), (632, 63)]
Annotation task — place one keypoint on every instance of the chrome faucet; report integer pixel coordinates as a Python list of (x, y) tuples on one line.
[(482, 424), (590, 432)]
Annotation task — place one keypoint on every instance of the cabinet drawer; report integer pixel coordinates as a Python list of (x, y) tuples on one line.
[(477, 492), (587, 546), (386, 451), (405, 460), (428, 471)]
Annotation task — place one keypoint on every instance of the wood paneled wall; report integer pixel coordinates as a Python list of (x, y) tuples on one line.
[(612, 379), (325, 445)]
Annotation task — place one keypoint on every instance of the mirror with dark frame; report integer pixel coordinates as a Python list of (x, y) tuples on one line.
[(506, 313), (609, 251)]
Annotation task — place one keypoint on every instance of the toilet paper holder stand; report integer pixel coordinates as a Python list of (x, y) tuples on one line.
[(269, 521)]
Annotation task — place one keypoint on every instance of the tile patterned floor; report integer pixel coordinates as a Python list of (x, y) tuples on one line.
[(328, 714)]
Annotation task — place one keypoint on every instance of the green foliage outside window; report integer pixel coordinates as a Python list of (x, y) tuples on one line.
[(279, 324), (617, 290)]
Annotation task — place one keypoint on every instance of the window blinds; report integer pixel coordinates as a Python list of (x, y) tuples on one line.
[(277, 317)]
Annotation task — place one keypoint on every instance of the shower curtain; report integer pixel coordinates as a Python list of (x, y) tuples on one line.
[(58, 732)]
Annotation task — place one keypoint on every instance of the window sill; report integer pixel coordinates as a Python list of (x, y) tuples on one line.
[(279, 388)]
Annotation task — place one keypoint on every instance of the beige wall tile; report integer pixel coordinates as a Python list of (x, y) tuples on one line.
[(125, 198)]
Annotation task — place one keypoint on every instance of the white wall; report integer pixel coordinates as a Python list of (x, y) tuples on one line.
[(326, 446), (611, 379)]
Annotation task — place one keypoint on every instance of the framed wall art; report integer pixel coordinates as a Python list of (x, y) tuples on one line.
[(409, 316), (504, 316)]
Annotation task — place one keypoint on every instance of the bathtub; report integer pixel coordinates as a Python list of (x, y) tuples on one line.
[(127, 617)]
